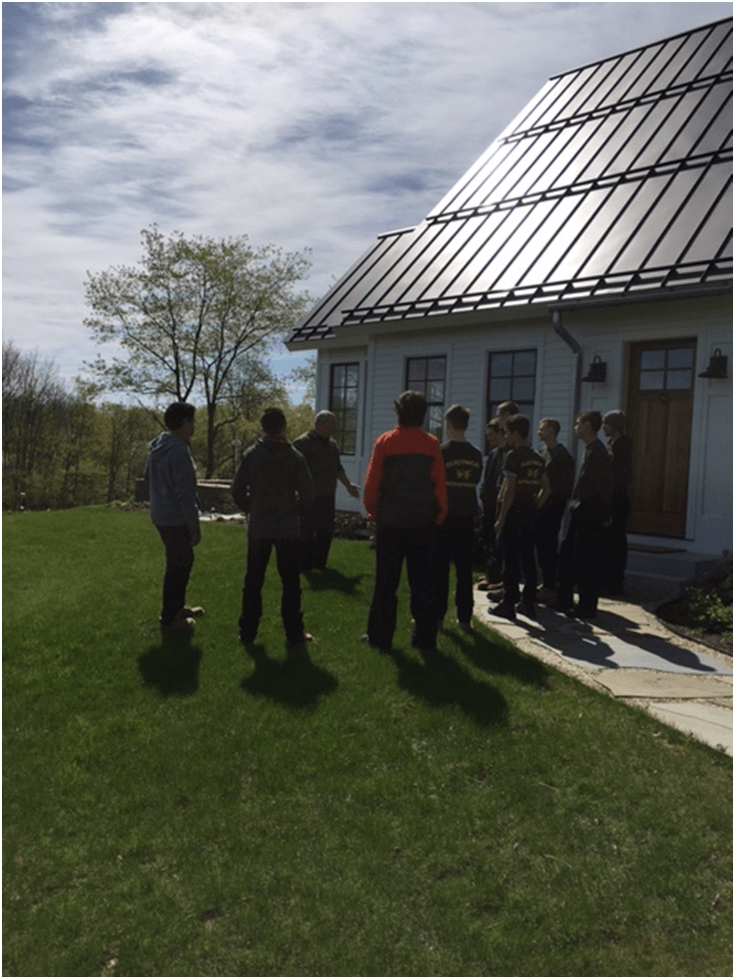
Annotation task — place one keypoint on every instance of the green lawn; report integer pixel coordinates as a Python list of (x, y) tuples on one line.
[(191, 809)]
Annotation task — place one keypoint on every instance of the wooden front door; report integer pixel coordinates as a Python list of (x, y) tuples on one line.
[(660, 395)]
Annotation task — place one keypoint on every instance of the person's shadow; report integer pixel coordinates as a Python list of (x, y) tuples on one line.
[(441, 681), (331, 579), (172, 665), (294, 682)]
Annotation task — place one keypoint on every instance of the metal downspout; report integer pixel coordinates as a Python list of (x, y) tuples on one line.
[(566, 336)]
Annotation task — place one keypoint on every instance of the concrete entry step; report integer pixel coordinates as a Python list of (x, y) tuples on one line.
[(667, 575)]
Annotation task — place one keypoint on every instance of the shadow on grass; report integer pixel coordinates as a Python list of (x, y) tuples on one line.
[(332, 580), (501, 658), (172, 665), (441, 682), (294, 682)]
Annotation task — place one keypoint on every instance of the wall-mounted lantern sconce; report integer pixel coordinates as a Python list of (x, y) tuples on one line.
[(717, 365), (597, 372)]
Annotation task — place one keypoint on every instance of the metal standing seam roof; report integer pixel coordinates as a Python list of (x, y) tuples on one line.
[(615, 179)]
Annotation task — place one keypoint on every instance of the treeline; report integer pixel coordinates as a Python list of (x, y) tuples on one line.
[(66, 448)]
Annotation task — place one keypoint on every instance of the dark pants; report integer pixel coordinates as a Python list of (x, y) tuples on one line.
[(418, 546), (491, 543), (179, 562), (618, 546), (547, 542), (287, 561), (456, 537), (317, 530), (580, 558), (519, 552)]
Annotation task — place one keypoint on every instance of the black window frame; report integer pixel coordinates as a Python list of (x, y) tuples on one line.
[(434, 421), (526, 405), (346, 416)]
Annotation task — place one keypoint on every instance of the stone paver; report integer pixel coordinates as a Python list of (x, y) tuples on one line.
[(631, 655)]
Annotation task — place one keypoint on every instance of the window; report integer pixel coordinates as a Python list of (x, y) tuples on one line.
[(343, 388), (667, 369), (512, 377), (427, 375)]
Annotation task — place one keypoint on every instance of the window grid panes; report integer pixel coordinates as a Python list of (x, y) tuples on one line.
[(667, 369), (343, 392), (512, 377), (427, 375)]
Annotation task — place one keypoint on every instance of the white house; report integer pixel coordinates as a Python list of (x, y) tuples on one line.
[(585, 261)]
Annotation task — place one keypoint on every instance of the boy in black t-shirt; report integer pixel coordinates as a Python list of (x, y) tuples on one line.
[(523, 481), (463, 463)]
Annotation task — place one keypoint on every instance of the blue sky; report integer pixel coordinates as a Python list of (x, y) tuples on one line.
[(309, 125)]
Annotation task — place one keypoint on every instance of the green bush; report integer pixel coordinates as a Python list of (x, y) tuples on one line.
[(709, 611)]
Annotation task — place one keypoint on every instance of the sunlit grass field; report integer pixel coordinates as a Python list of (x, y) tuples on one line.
[(191, 808)]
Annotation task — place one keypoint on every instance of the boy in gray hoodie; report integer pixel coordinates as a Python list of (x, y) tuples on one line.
[(172, 484)]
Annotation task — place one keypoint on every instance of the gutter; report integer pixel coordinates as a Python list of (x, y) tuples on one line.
[(567, 337)]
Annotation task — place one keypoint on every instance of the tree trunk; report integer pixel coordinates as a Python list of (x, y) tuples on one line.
[(209, 466)]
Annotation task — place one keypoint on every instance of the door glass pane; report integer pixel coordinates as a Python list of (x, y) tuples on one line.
[(681, 357), (652, 381), (653, 359), (678, 380)]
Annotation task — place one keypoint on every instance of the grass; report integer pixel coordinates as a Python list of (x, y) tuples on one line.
[(188, 809)]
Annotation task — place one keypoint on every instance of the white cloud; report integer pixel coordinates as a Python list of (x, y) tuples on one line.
[(306, 124)]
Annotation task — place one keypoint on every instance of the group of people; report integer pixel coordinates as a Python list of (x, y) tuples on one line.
[(422, 498), (537, 515)]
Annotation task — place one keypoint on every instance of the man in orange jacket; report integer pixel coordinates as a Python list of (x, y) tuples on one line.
[(406, 497)]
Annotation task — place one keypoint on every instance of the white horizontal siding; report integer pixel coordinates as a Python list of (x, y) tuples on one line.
[(604, 332)]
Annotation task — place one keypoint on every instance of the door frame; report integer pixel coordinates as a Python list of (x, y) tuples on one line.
[(633, 347)]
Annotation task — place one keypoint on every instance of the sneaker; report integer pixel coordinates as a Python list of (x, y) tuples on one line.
[(504, 610), (305, 637), (545, 595), (188, 612), (464, 626)]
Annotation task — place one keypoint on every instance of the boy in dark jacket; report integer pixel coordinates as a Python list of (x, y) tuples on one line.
[(614, 424), (581, 550), (559, 469), (463, 463), (271, 482)]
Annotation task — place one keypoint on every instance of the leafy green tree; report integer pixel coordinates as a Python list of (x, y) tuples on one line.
[(191, 315)]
